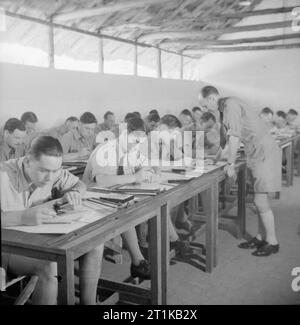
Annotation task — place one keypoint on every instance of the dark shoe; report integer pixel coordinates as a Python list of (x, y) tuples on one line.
[(182, 248), (252, 243), (145, 252), (141, 271), (266, 250)]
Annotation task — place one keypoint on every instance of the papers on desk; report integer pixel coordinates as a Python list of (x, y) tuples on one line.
[(68, 221)]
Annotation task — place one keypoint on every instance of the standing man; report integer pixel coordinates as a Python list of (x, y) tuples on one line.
[(14, 135), (263, 159)]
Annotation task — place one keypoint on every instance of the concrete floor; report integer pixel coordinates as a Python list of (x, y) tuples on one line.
[(239, 278)]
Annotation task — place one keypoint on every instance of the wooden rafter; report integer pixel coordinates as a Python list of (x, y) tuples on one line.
[(210, 32), (242, 48), (194, 43), (104, 10)]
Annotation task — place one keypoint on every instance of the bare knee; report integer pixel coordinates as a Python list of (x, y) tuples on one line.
[(47, 270), (262, 203)]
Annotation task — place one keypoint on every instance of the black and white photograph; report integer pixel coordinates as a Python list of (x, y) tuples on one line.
[(150, 155)]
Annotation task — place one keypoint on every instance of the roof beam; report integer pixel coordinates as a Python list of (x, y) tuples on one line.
[(104, 10), (236, 41), (212, 32), (242, 48)]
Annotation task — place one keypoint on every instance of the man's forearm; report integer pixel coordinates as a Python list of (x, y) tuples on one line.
[(80, 187), (233, 146), (11, 218)]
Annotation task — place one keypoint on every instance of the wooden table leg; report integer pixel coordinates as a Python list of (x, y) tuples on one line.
[(241, 213), (289, 171), (211, 227), (292, 161), (66, 287), (165, 244), (155, 259)]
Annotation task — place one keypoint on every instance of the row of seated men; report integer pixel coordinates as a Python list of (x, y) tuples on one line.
[(76, 139)]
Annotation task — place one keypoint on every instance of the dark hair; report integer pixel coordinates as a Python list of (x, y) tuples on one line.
[(154, 111), (186, 112), (13, 124), (170, 121), (88, 118), (72, 119), (107, 113), (135, 124), (208, 116), (153, 117), (129, 116), (293, 112), (267, 110), (29, 117), (137, 114), (196, 108), (281, 114), (45, 145), (209, 90)]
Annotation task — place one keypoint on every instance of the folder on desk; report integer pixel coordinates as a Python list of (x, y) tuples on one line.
[(111, 196)]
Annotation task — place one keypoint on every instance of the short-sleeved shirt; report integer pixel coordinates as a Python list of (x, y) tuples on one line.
[(107, 158), (263, 153), (73, 141), (7, 153), (17, 194), (57, 132)]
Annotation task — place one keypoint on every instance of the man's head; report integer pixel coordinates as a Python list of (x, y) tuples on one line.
[(87, 125), (109, 118), (208, 120), (72, 123), (169, 128), (44, 160), (152, 121), (154, 111), (135, 132), (30, 121), (185, 117), (14, 133), (210, 96), (197, 113), (291, 115), (280, 119), (129, 116), (267, 114)]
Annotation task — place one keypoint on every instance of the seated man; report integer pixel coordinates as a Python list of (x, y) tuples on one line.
[(267, 115), (30, 121), (25, 184), (109, 124), (14, 135), (151, 122), (110, 164), (197, 113), (186, 120), (78, 144), (71, 124), (291, 118)]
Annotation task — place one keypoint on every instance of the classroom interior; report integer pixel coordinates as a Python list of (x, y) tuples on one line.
[(61, 59)]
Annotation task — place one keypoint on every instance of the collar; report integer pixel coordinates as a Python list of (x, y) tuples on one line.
[(7, 149), (21, 182)]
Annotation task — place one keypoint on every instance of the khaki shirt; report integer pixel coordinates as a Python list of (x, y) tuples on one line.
[(17, 194), (57, 132), (7, 153), (73, 141)]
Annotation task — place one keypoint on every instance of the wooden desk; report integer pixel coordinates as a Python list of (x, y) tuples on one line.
[(66, 248)]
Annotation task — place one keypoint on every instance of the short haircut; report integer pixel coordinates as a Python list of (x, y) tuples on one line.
[(170, 121), (281, 114), (72, 119), (154, 111), (196, 108), (186, 112), (153, 118), (209, 90), (88, 118), (293, 112), (107, 113), (29, 117), (129, 116), (137, 114), (13, 124), (135, 124), (267, 110), (208, 116), (45, 145)]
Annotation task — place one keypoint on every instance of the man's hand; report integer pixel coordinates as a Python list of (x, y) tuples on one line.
[(84, 153), (73, 197), (36, 215), (230, 171)]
